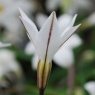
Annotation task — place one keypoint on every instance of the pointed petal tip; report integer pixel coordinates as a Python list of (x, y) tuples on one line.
[(20, 17), (73, 20), (21, 12), (19, 9), (75, 15), (79, 25), (53, 13)]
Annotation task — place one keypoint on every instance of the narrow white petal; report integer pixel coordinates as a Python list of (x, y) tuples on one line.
[(73, 42), (68, 33), (44, 35), (29, 25), (24, 16), (49, 37), (63, 21), (4, 45), (73, 21), (8, 62), (70, 25), (54, 41), (30, 30), (64, 57)]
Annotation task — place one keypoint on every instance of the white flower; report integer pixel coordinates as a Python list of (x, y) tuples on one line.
[(90, 87), (74, 41), (47, 42), (10, 21), (7, 61), (63, 58), (8, 64), (4, 45), (66, 49), (8, 13), (40, 19)]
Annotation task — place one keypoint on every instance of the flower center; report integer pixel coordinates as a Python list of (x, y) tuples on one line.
[(1, 9)]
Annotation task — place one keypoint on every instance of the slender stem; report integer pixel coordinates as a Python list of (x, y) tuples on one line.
[(71, 77), (41, 92)]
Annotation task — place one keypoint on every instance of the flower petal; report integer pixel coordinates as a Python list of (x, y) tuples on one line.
[(64, 57), (4, 45), (49, 37), (73, 42), (64, 21), (30, 49), (24, 16), (70, 26), (90, 87), (69, 31), (54, 41), (73, 21), (29, 25)]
